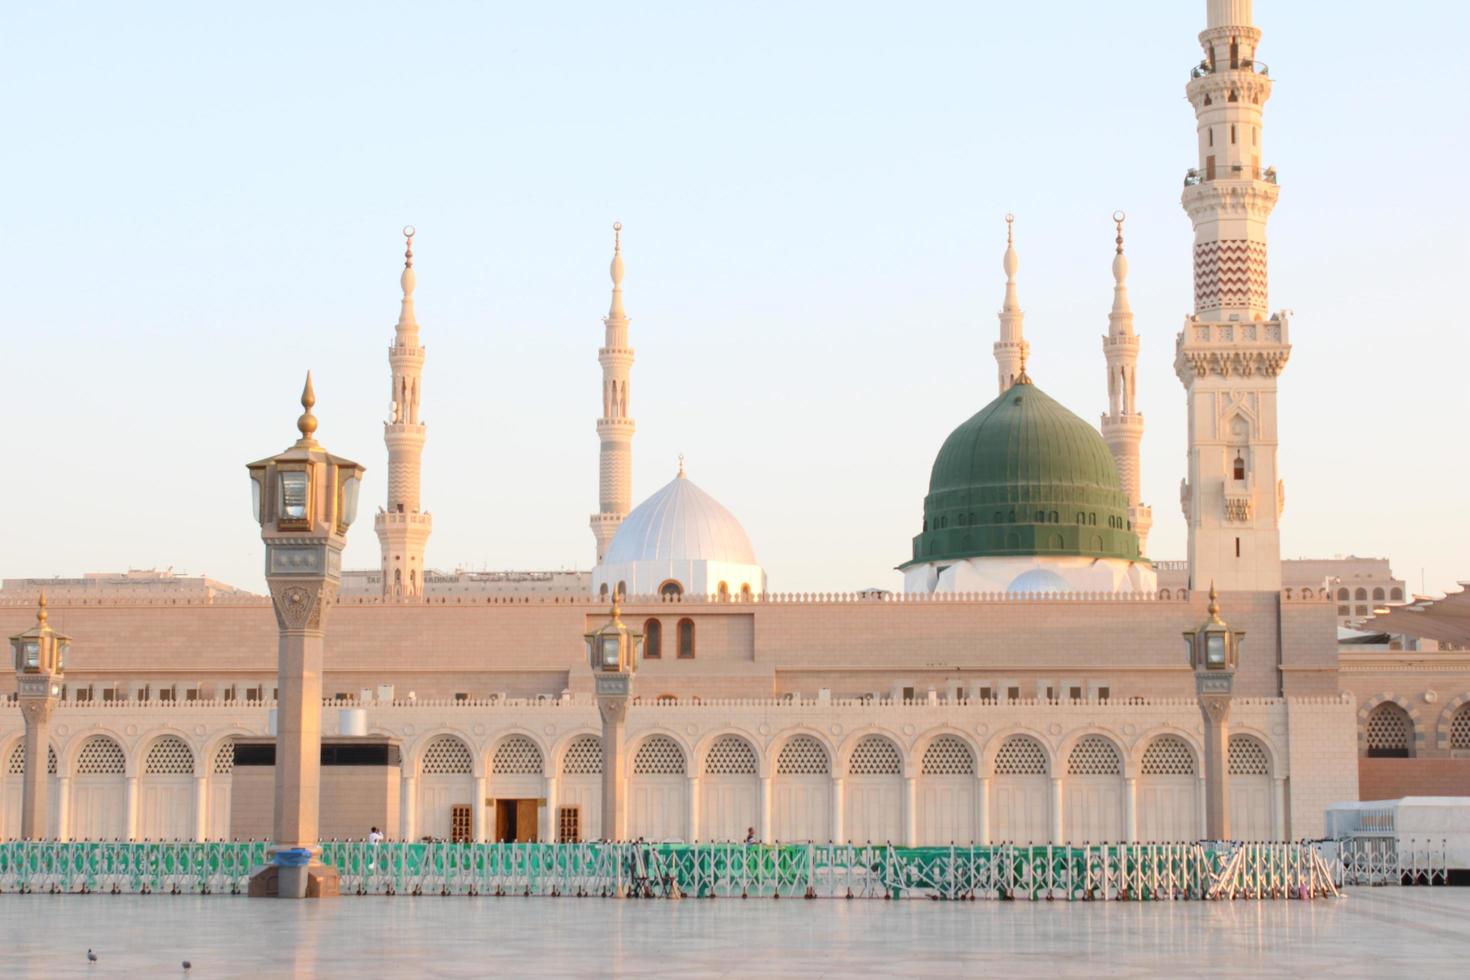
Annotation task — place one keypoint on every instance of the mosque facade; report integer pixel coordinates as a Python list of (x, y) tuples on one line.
[(1028, 683)]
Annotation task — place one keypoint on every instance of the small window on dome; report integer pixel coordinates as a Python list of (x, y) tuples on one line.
[(724, 591), (671, 589)]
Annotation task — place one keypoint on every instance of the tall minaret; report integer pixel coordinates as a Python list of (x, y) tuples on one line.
[(614, 427), (1122, 425), (1011, 349), (1231, 349), (403, 529)]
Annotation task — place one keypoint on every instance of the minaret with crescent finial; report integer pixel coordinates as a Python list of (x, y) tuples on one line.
[(1122, 423), (614, 426), (403, 528), (1011, 349)]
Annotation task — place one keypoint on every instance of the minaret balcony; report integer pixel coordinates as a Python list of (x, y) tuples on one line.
[(399, 518), (1193, 177), (1251, 65)]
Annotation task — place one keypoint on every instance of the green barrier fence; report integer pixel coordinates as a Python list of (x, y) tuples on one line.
[(1119, 872)]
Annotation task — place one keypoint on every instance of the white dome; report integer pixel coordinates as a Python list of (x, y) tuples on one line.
[(680, 523), (1039, 580)]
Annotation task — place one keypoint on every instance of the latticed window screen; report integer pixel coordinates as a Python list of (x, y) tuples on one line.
[(1094, 756), (1247, 757), (1168, 755), (169, 756), (583, 758), (875, 756), (224, 758), (17, 765), (659, 756), (1389, 729), (517, 755), (1020, 756), (731, 755), (569, 824), (803, 756), (446, 755), (948, 756), (100, 756), (1460, 728)]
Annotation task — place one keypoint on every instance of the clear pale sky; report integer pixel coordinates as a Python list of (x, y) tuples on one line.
[(204, 200)]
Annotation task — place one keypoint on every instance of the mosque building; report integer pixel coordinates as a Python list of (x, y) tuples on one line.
[(1028, 683)]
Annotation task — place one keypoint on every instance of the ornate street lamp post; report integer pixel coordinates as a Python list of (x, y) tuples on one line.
[(1214, 650), (612, 652), (40, 664), (304, 499)]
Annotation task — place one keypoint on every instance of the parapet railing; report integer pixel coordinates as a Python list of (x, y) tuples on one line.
[(585, 701), (1102, 872), (600, 605)]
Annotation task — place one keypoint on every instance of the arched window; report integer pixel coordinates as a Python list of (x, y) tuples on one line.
[(803, 756), (1239, 468), (602, 591), (875, 755), (1389, 732), (686, 639), (622, 590), (997, 517), (745, 593), (724, 591), (1094, 755), (948, 756), (169, 756), (1361, 595), (671, 589), (517, 756), (1342, 594), (1460, 729), (1396, 595), (653, 640), (1378, 595), (1246, 756)]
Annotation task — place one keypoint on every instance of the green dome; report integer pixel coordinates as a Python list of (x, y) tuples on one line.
[(1024, 476)]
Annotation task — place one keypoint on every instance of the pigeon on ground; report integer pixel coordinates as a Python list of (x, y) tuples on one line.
[(91, 956), (188, 966)]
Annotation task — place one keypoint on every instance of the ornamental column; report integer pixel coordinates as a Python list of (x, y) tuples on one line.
[(40, 666), (910, 814), (305, 500), (612, 652), (1214, 650), (1058, 827)]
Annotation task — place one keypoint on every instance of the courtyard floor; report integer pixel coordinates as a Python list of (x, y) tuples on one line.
[(1372, 932)]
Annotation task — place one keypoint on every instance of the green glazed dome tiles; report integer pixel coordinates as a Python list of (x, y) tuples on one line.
[(1025, 476)]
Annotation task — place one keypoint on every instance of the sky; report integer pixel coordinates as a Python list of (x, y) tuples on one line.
[(205, 200)]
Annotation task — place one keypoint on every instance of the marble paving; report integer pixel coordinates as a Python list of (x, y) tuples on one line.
[(1372, 932)]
